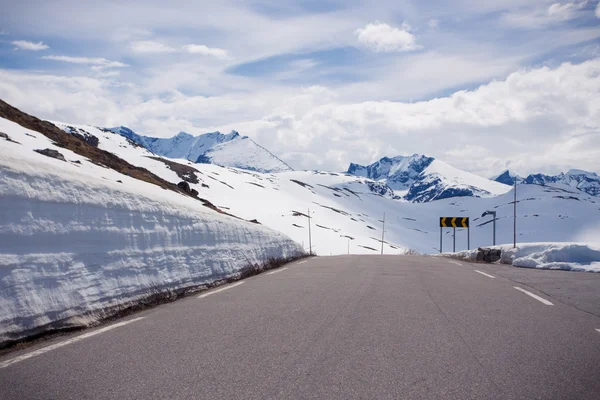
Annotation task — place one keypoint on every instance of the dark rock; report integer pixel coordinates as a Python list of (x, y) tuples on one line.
[(204, 185), (255, 221), (51, 153), (194, 192), (488, 255), (120, 181), (4, 135), (76, 162), (183, 185)]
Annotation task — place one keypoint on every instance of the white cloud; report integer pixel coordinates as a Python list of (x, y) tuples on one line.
[(540, 16), (25, 45), (206, 51), (381, 37), (535, 120), (96, 62), (433, 23), (150, 46)]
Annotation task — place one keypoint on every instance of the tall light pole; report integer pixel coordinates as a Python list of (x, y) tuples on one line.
[(493, 214), (382, 233), (309, 235), (515, 216)]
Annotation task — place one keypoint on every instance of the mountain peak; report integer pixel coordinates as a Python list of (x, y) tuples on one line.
[(507, 177), (399, 171), (214, 147)]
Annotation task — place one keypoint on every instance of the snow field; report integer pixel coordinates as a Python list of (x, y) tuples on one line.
[(347, 214)]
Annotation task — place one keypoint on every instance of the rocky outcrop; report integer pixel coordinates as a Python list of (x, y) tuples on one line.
[(51, 153)]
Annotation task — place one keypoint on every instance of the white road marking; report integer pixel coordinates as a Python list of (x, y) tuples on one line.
[(41, 351), (598, 330), (277, 270), (219, 290), (535, 296), (301, 262), (455, 262), (483, 273)]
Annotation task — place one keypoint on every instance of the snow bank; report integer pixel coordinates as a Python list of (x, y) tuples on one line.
[(77, 239), (562, 256)]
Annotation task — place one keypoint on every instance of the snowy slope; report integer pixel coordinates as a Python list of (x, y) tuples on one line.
[(440, 180), (77, 238), (231, 150), (346, 210)]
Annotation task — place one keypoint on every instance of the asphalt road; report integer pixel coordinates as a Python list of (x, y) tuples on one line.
[(347, 327)]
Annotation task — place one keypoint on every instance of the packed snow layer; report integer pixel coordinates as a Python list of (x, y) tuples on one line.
[(75, 241), (347, 211), (563, 256)]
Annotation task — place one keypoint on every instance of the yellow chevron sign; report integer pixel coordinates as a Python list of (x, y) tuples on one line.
[(454, 222)]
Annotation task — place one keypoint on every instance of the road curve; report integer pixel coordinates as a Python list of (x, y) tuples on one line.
[(346, 327)]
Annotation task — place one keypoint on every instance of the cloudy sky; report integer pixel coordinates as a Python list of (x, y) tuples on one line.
[(483, 85)]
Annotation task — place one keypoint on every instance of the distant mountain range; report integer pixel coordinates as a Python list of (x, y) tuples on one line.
[(588, 182), (227, 150), (416, 178)]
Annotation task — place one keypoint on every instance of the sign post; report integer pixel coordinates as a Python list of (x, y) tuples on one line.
[(455, 222)]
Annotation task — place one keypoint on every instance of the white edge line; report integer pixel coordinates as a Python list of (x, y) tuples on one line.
[(219, 290), (277, 270), (455, 262), (66, 342), (598, 330), (483, 273), (535, 296), (301, 262)]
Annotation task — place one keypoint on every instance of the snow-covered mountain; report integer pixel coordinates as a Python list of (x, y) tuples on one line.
[(398, 172), (588, 182), (346, 210), (440, 181), (426, 179), (228, 150)]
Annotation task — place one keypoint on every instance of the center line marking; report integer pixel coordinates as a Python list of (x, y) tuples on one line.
[(455, 262), (55, 346), (301, 262), (483, 273), (598, 330), (219, 290), (535, 296), (277, 270)]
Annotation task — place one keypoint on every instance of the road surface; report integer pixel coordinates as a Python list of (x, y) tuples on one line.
[(346, 327)]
